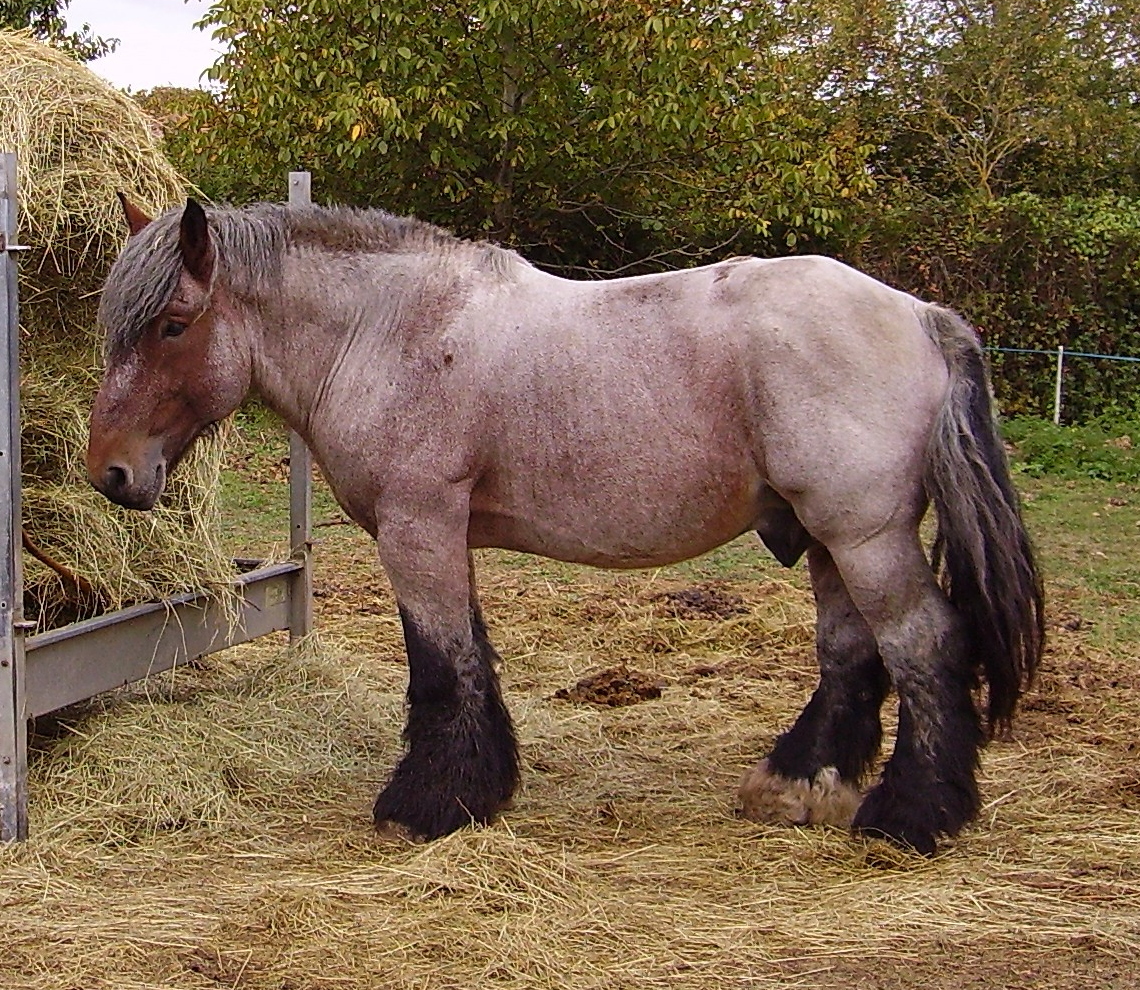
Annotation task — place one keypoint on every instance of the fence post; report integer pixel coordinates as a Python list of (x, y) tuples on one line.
[(13, 707), (300, 488), (1057, 388)]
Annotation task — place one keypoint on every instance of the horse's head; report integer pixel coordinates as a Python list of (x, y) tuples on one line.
[(174, 363)]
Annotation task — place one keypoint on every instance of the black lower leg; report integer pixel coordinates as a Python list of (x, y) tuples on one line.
[(461, 763), (928, 788), (840, 727)]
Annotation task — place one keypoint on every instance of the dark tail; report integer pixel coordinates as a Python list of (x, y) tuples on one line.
[(982, 553)]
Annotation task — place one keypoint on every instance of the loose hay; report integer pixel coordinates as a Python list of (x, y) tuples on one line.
[(212, 829), (79, 142)]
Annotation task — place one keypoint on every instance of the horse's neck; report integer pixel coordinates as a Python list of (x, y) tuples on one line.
[(325, 305), (294, 343)]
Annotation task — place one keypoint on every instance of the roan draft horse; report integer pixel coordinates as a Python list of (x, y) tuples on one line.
[(458, 397)]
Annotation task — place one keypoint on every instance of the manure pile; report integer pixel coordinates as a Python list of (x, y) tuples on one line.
[(79, 142)]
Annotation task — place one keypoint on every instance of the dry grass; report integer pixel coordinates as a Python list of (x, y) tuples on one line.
[(212, 830), (79, 142)]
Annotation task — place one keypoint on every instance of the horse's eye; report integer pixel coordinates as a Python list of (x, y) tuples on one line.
[(173, 329)]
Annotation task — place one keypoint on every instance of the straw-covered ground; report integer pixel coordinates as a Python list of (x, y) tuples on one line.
[(212, 829)]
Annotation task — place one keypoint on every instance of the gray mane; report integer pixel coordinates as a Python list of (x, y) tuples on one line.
[(251, 242)]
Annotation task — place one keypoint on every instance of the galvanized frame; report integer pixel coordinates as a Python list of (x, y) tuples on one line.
[(70, 664), (300, 486), (13, 704)]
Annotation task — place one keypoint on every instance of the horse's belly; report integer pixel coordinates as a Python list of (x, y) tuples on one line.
[(650, 530)]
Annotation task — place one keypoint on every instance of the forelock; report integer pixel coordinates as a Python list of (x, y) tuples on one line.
[(144, 277)]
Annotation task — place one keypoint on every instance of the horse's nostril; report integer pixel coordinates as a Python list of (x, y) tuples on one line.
[(117, 477)]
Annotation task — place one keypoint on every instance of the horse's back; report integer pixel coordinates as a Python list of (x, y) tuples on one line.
[(772, 349)]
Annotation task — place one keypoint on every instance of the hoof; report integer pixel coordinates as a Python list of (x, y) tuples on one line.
[(408, 808), (432, 794), (397, 815), (396, 834), (916, 816), (900, 824), (771, 798), (461, 768)]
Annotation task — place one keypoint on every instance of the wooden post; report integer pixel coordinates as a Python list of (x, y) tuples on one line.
[(300, 488), (13, 706)]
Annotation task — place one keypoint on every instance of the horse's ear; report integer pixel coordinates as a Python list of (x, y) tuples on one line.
[(194, 242), (136, 219)]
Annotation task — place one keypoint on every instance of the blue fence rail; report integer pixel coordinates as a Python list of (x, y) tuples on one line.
[(1060, 354)]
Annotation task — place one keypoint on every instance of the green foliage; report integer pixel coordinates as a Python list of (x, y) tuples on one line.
[(1102, 450), (999, 96), (171, 106), (1010, 177), (980, 153), (1030, 272), (46, 20), (588, 132), (176, 109)]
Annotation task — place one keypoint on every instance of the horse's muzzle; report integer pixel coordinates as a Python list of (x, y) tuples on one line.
[(133, 487)]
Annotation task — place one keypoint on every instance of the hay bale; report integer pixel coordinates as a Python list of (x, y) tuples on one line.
[(80, 141)]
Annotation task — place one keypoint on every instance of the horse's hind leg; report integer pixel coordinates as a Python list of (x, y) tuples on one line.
[(813, 772), (928, 787), (461, 759)]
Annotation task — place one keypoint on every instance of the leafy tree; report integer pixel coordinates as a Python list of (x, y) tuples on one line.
[(174, 109), (46, 20), (612, 130), (1002, 95)]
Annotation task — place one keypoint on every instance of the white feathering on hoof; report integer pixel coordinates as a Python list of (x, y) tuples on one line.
[(771, 798)]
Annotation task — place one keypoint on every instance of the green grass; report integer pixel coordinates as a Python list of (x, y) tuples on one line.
[(1081, 488), (254, 486), (1087, 534), (1103, 450)]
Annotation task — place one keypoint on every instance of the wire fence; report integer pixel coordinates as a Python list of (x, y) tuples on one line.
[(1059, 357)]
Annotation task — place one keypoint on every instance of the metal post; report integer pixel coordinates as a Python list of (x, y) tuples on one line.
[(300, 488), (13, 706), (1057, 389)]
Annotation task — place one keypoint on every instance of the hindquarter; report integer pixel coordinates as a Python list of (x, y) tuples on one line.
[(847, 385)]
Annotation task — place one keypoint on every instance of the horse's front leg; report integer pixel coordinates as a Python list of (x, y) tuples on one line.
[(461, 760)]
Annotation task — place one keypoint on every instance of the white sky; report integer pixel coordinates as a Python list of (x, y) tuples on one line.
[(159, 45)]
